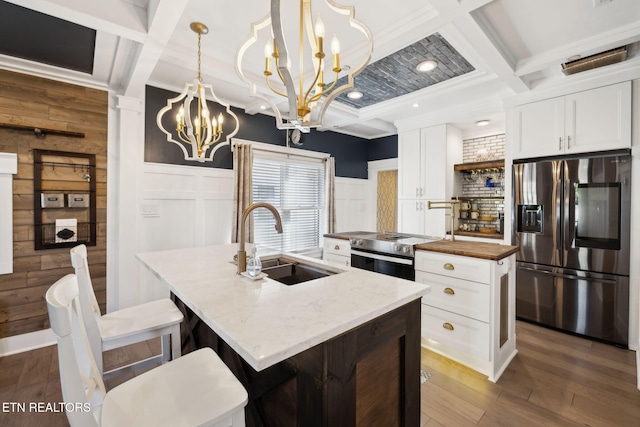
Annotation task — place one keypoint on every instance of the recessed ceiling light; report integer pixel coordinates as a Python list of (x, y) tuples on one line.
[(263, 107), (482, 122), (573, 58), (416, 105), (355, 94), (426, 66)]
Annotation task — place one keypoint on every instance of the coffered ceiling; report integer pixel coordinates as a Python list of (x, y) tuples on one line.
[(492, 49)]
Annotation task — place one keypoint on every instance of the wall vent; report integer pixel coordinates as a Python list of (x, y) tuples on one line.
[(608, 57)]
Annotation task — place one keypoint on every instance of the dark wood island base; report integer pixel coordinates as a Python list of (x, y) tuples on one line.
[(369, 375)]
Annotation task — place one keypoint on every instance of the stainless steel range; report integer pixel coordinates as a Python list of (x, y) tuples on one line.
[(387, 253)]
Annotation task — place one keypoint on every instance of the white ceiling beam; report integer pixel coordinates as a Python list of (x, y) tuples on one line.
[(255, 107), (113, 16), (487, 48), (471, 5), (164, 15)]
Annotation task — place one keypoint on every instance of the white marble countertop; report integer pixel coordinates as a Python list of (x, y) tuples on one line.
[(266, 321)]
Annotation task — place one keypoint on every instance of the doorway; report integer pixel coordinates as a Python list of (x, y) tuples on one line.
[(387, 201)]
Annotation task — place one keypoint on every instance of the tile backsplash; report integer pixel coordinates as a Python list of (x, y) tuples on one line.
[(483, 185), (493, 144)]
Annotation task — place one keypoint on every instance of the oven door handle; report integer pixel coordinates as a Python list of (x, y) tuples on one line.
[(382, 257)]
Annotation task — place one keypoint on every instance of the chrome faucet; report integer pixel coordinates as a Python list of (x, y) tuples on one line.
[(448, 204), (242, 254)]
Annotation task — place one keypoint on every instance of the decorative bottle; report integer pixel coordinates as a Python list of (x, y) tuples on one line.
[(254, 265)]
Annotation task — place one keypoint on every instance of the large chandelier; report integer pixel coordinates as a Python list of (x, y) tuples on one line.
[(309, 96), (195, 129)]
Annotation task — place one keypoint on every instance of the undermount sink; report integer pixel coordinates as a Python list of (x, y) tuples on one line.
[(290, 272)]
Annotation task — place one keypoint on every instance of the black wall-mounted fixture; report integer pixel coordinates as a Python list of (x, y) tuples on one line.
[(42, 132)]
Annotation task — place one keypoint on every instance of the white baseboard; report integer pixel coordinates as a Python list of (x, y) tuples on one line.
[(26, 342), (638, 368)]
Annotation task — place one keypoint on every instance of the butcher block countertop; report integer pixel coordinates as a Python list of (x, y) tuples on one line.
[(488, 251)]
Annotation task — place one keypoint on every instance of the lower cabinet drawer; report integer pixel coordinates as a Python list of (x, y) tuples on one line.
[(470, 299), (459, 332), (339, 259), (337, 247), (461, 267)]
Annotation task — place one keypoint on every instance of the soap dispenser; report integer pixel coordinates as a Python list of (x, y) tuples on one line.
[(254, 265)]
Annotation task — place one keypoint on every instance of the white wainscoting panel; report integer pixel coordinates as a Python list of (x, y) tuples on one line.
[(182, 206), (353, 205)]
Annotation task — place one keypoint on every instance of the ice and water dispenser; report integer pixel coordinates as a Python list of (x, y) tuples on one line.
[(530, 218)]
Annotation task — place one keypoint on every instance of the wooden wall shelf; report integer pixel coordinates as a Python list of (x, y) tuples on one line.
[(476, 166), (42, 132)]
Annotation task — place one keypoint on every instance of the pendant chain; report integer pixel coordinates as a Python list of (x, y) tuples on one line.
[(199, 59)]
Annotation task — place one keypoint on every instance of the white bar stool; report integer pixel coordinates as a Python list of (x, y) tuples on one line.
[(194, 390), (160, 318)]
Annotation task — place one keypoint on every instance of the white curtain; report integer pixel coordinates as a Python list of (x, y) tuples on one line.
[(330, 185), (242, 188)]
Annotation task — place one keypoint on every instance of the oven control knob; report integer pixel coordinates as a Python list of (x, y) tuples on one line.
[(397, 248), (356, 242), (405, 249)]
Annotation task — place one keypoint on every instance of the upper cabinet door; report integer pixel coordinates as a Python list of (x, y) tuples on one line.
[(593, 120), (599, 119), (539, 129), (409, 165), (434, 144)]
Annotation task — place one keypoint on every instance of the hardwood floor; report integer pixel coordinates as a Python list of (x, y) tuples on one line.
[(555, 380), (33, 376)]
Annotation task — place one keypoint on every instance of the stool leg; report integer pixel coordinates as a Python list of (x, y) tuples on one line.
[(176, 341), (237, 419), (166, 348)]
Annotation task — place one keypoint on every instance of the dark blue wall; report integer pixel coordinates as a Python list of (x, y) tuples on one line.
[(351, 153), (383, 148)]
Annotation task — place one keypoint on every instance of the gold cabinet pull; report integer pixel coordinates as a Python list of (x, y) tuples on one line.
[(449, 291), (448, 326), (448, 266), (337, 248)]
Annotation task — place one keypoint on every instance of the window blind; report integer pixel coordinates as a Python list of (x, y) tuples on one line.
[(296, 187)]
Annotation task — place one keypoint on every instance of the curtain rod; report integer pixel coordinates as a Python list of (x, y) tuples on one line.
[(263, 146)]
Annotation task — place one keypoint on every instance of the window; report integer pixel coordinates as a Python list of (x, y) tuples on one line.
[(295, 185)]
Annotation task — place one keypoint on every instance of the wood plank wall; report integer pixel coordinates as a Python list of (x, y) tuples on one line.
[(32, 101)]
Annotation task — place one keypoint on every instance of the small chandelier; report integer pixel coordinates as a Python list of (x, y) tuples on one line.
[(195, 128), (307, 101)]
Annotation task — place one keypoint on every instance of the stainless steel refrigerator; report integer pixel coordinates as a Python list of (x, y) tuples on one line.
[(571, 222)]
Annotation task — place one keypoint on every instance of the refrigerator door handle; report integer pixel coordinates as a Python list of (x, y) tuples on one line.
[(568, 276), (558, 187)]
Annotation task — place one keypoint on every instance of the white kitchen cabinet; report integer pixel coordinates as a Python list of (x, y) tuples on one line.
[(337, 251), (469, 315), (425, 172), (417, 219), (410, 165), (593, 120)]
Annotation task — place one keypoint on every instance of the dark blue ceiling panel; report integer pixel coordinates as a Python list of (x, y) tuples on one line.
[(42, 38)]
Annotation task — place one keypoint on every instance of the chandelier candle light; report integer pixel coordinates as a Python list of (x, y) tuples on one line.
[(202, 130), (308, 102)]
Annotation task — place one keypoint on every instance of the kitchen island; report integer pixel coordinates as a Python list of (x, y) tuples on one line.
[(469, 316), (339, 350)]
